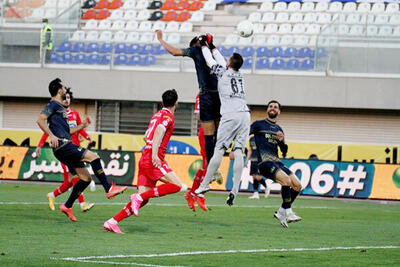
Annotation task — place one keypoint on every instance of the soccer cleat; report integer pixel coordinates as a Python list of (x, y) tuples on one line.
[(135, 205), (113, 228), (68, 212), (201, 201), (230, 199), (282, 218), (190, 199), (292, 217), (254, 196), (115, 190), (202, 189), (267, 191), (87, 206), (51, 200)]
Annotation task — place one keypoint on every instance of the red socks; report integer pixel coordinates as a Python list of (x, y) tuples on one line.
[(62, 188), (161, 190), (198, 178), (126, 211)]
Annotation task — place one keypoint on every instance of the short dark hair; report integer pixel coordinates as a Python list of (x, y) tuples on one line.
[(193, 41), (236, 61), (274, 101), (54, 86), (169, 98), (70, 93)]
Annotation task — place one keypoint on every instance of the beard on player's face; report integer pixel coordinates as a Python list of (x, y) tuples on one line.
[(272, 113)]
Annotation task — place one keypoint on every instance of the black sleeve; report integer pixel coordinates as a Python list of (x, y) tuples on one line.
[(48, 110), (253, 128), (284, 148), (187, 52)]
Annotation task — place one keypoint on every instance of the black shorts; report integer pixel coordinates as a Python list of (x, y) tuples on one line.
[(70, 155), (210, 106), (254, 168), (268, 169)]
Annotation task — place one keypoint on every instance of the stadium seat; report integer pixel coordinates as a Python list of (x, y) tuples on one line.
[(131, 25), (353, 18), (321, 52), (147, 49), (282, 17), (268, 17), (119, 36), (247, 63), (313, 29), (262, 51), (335, 7), (92, 47), (144, 26), (231, 39), (143, 15), (292, 64), (134, 60), (65, 47), (105, 59), (273, 40), (378, 8), (307, 7), (92, 36), (310, 17), (324, 18), (277, 64), (301, 40), (255, 17), (115, 4), (271, 28), (296, 17), (364, 7), (37, 13), (307, 64), (396, 31), (132, 37), (156, 15), (245, 41), (87, 4), (182, 5), (53, 57), (133, 49), (104, 25), (79, 58), (258, 28), (289, 52), (130, 14), (90, 25), (267, 6), (195, 5), (78, 47), (293, 6), (223, 50), (103, 14), (174, 38), (392, 8), (298, 29), (385, 31), (160, 50), (209, 6), (186, 27), (356, 30), (50, 4), (349, 7), (120, 48), (247, 51), (280, 6), (168, 5), (183, 16), (275, 52), (148, 61), (129, 4), (172, 26), (321, 6), (142, 4), (233, 49), (394, 20), (49, 13), (117, 15), (93, 59), (286, 40), (343, 29), (121, 60), (262, 63), (158, 25), (381, 19), (197, 16), (146, 38), (78, 36), (102, 4), (372, 30), (106, 48), (156, 4), (105, 36), (66, 58), (285, 28), (259, 40), (118, 25), (313, 40), (303, 52)]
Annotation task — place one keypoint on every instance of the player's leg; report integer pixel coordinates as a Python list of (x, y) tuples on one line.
[(85, 206), (255, 188), (207, 119), (294, 192), (51, 197), (94, 161)]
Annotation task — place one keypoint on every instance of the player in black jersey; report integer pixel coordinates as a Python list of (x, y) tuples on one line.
[(268, 137)]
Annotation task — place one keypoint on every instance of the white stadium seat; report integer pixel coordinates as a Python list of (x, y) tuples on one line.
[(378, 8), (92, 36), (356, 30), (105, 36), (285, 28), (142, 4), (343, 29), (294, 6), (131, 25), (267, 6), (174, 38), (104, 24), (90, 25), (307, 7), (143, 15), (119, 36), (286, 40), (280, 6), (197, 16), (209, 6), (394, 19), (245, 41), (324, 18), (372, 30), (118, 25), (259, 40), (231, 39), (335, 7), (158, 25), (145, 26), (364, 7), (258, 28), (78, 36), (129, 4), (172, 26), (130, 14), (321, 6), (271, 28), (349, 7), (132, 37), (268, 17), (50, 4), (385, 31), (117, 15), (396, 31), (186, 27), (296, 17), (392, 8), (282, 17), (310, 17), (299, 28), (301, 40), (255, 17), (313, 29), (273, 40), (353, 18), (381, 19), (38, 13)]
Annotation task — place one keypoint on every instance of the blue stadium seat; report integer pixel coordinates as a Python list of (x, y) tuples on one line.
[(289, 52), (247, 51), (223, 50), (303, 52), (134, 60), (233, 49), (147, 49), (292, 64), (277, 64), (121, 60), (148, 61), (106, 48), (79, 58), (262, 51), (247, 63), (133, 49), (78, 47), (307, 64), (66, 58), (105, 59), (53, 57), (321, 52), (160, 50), (92, 47), (120, 48), (92, 59), (65, 47), (275, 52), (262, 63)]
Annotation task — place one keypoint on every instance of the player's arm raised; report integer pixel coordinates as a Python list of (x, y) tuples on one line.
[(171, 49), (282, 145), (157, 138), (41, 121), (80, 127)]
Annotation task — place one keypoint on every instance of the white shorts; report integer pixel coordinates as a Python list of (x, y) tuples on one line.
[(233, 127)]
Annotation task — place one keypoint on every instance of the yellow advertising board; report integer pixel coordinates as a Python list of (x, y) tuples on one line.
[(10, 161), (386, 184)]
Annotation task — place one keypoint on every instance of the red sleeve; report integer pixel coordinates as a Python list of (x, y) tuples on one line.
[(166, 121), (43, 140), (79, 122), (197, 104)]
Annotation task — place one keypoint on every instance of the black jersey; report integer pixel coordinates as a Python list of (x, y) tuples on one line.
[(57, 119)]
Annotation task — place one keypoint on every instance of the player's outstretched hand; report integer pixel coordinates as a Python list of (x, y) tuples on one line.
[(203, 40), (156, 161), (37, 151), (280, 136), (159, 35), (86, 122), (54, 141), (210, 40)]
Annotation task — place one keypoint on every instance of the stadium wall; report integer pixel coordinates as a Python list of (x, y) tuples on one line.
[(296, 91)]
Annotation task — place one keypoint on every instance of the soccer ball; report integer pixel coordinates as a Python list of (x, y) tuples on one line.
[(245, 28)]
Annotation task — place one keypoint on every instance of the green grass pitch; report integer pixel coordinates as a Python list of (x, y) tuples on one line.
[(243, 235)]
